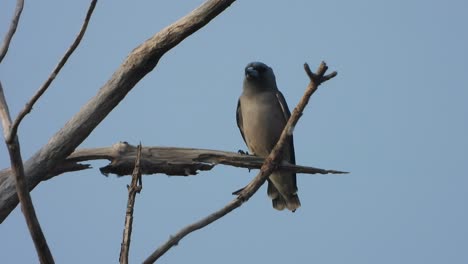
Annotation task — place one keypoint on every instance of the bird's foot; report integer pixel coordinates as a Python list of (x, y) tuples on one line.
[(240, 151)]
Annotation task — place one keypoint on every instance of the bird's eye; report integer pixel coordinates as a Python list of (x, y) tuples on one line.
[(261, 69)]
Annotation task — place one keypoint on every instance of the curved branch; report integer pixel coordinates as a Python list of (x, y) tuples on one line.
[(270, 164), (139, 62)]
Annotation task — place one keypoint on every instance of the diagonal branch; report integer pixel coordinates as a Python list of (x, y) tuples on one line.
[(139, 62), (271, 163), (12, 29), (28, 107), (274, 158)]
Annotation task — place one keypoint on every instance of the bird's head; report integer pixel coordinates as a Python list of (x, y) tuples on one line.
[(259, 76)]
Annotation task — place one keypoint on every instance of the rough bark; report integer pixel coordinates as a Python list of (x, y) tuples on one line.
[(171, 161)]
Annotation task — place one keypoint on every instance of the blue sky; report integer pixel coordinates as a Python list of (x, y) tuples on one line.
[(395, 116)]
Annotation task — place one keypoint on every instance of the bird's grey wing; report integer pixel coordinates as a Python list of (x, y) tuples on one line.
[(239, 120), (287, 114), (241, 129)]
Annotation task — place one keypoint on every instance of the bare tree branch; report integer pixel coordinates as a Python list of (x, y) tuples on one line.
[(27, 207), (135, 187), (28, 107), (176, 161), (170, 161), (12, 142), (271, 164), (12, 29), (139, 62)]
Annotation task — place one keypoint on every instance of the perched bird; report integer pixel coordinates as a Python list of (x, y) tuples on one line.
[(262, 113)]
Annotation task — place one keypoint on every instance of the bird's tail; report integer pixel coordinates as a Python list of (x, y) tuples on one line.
[(279, 202)]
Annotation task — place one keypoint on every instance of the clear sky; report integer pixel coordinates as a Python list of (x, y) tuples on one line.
[(395, 116)]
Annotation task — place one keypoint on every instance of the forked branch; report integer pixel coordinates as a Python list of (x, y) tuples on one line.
[(28, 107), (12, 142)]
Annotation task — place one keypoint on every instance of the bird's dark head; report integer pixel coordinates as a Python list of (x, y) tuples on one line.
[(257, 70), (259, 76)]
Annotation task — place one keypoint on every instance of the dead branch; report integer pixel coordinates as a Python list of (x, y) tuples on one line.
[(28, 107), (12, 29), (169, 161), (271, 163), (139, 62), (12, 142), (135, 187)]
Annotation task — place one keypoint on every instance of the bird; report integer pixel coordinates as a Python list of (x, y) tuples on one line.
[(262, 113)]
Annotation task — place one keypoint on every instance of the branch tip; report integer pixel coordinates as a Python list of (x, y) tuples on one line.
[(329, 76), (12, 29), (308, 71)]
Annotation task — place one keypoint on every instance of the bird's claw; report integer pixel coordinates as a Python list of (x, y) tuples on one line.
[(240, 151)]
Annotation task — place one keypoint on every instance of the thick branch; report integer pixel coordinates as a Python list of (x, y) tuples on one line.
[(165, 160), (271, 163), (179, 161), (12, 29), (138, 63), (172, 161)]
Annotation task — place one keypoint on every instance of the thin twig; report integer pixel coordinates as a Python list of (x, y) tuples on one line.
[(174, 240), (27, 207), (12, 29), (134, 188), (268, 167), (28, 107)]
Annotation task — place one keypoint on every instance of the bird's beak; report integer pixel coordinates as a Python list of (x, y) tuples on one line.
[(250, 72)]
